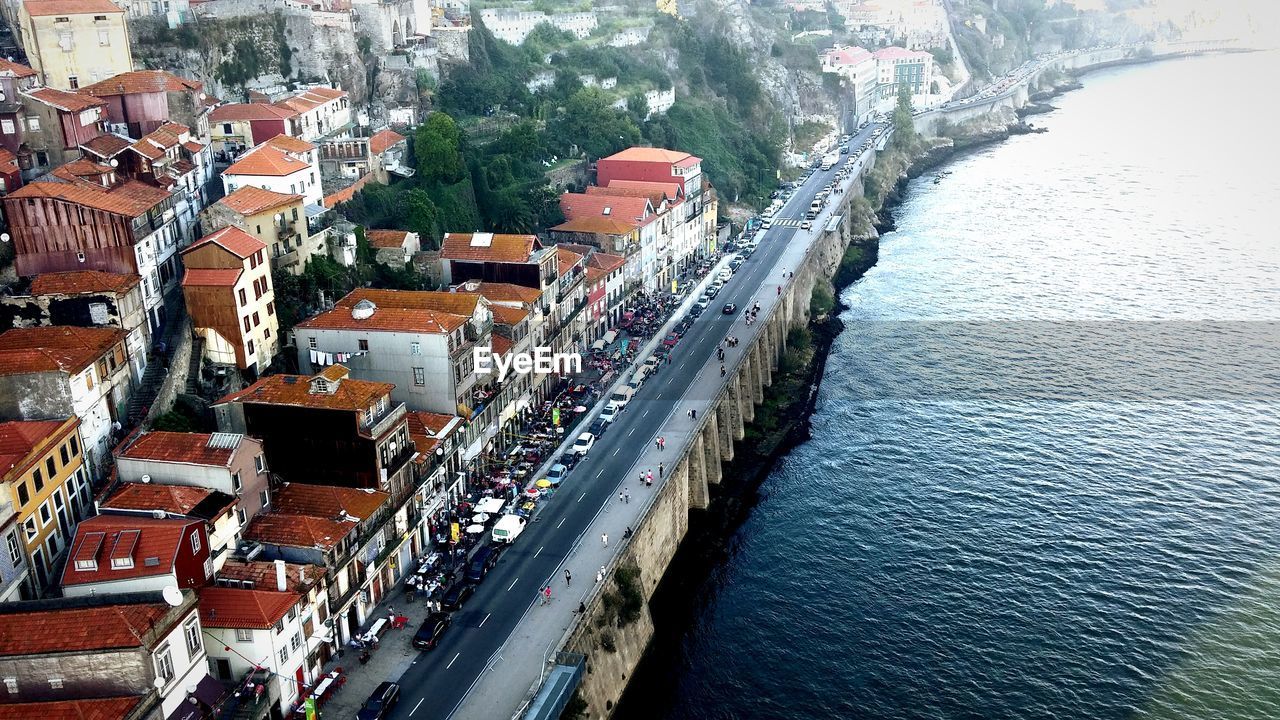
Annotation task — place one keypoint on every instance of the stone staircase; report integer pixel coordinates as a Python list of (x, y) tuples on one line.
[(193, 367), (157, 368)]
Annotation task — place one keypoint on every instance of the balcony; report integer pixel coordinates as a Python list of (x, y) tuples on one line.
[(471, 334), (378, 425)]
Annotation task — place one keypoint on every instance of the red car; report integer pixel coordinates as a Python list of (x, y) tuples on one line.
[(671, 340)]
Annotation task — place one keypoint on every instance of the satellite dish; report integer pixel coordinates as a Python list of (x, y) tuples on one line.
[(146, 478), (172, 595), (160, 682), (3, 97), (4, 237), (279, 216), (114, 162)]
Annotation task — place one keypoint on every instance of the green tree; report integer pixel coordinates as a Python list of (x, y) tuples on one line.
[(438, 149), (421, 216), (589, 122), (904, 128)]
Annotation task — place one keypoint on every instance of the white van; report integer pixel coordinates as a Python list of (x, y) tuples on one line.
[(508, 528), (623, 396)]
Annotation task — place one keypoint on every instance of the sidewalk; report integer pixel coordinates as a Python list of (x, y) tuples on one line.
[(516, 670), (394, 655)]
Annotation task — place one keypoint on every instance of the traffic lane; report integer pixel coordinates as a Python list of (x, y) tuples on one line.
[(503, 598)]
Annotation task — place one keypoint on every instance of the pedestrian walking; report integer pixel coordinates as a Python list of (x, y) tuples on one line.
[(542, 596), (568, 577), (627, 495), (657, 443), (689, 413), (662, 442), (695, 414), (600, 575), (648, 480), (604, 539), (582, 608), (779, 289), (660, 468), (546, 593), (619, 497), (722, 371)]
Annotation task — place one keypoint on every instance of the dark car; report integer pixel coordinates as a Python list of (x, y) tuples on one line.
[(431, 630), (481, 563), (730, 308), (455, 596), (379, 704)]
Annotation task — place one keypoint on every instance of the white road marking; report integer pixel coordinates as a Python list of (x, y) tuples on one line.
[(615, 450), (513, 584), (581, 496), (630, 432), (539, 551), (646, 414), (482, 622), (561, 522), (451, 662), (599, 473), (415, 707)]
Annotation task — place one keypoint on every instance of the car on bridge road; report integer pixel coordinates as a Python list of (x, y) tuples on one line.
[(431, 630), (380, 702), (583, 444), (729, 309)]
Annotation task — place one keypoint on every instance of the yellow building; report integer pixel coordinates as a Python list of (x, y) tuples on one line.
[(45, 479), (279, 220), (74, 43)]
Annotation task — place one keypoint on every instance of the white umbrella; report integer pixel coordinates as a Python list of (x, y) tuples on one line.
[(475, 529), (480, 518)]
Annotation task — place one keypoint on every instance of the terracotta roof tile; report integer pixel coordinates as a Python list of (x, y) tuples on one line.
[(224, 607), (288, 143), (399, 311), (141, 81), (311, 99), (650, 154), (63, 100), (338, 197), (327, 501), (9, 68), (82, 282), (193, 147), (298, 578), (107, 146), (37, 8), (250, 200), (267, 160), (351, 394), (302, 531), (211, 277), (500, 345), (177, 499), (383, 140), (131, 198), (607, 262), (635, 211), (8, 162), (566, 260), (452, 303), (596, 226), (489, 247), (83, 169), (53, 349), (509, 316), (387, 238), (233, 239), (109, 708), (19, 440), (249, 111), (153, 551), (182, 447), (77, 629), (507, 292), (670, 191)]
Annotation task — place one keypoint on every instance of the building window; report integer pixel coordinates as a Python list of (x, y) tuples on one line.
[(42, 157), (284, 656), (6, 126), (104, 38), (195, 543), (311, 343), (241, 517), (260, 464), (415, 348), (267, 333), (45, 516), (33, 124), (264, 499), (243, 635), (246, 323), (52, 467), (296, 642), (192, 631), (363, 344), (235, 482), (419, 376), (164, 663), (24, 495), (244, 298), (15, 549), (271, 309), (73, 81), (256, 320), (250, 347), (29, 526)]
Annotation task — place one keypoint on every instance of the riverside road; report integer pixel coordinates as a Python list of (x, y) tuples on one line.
[(484, 649)]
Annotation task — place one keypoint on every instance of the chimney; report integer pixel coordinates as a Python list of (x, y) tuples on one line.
[(302, 574), (281, 581)]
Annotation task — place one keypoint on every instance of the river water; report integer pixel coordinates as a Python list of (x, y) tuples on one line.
[(1044, 478)]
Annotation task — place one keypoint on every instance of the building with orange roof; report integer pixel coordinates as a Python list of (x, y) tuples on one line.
[(63, 119), (236, 127), (114, 657), (605, 284), (43, 478), (258, 630), (61, 371), (420, 342), (507, 259), (376, 156), (320, 111), (15, 78), (114, 554), (231, 299), (84, 298), (141, 101), (71, 43), (230, 464), (355, 433), (282, 164), (279, 220), (394, 247), (221, 513)]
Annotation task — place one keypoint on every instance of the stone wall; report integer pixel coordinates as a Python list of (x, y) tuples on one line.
[(175, 380)]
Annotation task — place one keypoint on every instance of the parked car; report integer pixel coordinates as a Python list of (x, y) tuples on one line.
[(508, 528), (431, 630), (557, 473), (584, 443), (609, 414), (456, 596), (598, 427), (806, 225), (381, 700), (481, 563), (729, 309)]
